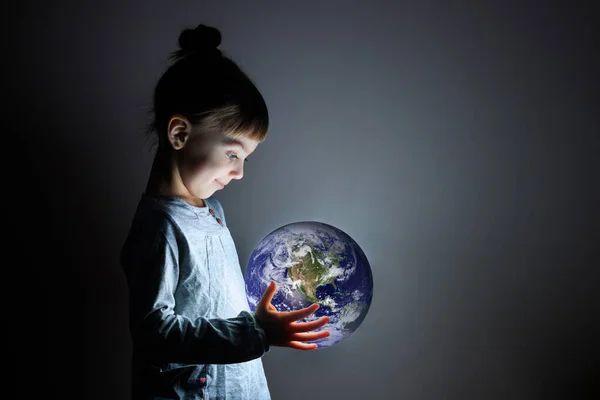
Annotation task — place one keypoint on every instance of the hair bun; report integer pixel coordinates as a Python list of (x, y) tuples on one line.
[(203, 39)]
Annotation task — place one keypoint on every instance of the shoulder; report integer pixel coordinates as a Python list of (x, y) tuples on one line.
[(153, 219), (151, 224)]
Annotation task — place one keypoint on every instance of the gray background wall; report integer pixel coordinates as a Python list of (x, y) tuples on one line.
[(456, 142)]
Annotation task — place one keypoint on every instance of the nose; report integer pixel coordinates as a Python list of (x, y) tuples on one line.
[(238, 171)]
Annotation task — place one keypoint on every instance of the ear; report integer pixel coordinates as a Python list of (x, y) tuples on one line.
[(178, 131)]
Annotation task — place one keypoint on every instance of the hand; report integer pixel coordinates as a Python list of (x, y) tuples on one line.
[(281, 327)]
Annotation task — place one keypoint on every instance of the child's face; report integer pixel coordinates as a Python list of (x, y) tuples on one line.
[(208, 163)]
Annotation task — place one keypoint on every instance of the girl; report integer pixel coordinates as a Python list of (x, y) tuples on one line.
[(193, 334)]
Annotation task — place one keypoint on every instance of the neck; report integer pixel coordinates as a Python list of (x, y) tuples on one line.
[(159, 179), (164, 180)]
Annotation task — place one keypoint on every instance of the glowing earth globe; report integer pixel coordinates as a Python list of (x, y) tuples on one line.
[(313, 262)]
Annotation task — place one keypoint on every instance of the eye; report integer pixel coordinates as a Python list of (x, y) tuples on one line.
[(233, 156)]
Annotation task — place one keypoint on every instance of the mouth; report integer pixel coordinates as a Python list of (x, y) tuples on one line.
[(221, 186)]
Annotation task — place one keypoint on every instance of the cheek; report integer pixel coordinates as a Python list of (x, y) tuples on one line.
[(191, 167), (196, 160), (200, 170)]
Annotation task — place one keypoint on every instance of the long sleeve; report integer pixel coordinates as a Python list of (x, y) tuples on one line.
[(151, 258)]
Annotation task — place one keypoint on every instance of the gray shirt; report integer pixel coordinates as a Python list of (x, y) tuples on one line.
[(194, 336)]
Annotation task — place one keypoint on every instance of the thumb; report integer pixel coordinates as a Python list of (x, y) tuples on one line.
[(268, 295)]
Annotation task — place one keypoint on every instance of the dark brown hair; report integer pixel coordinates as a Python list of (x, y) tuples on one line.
[(209, 89)]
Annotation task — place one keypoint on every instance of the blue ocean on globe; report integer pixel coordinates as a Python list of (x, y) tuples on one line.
[(313, 262)]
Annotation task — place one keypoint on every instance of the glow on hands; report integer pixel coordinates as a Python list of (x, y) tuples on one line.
[(281, 327)]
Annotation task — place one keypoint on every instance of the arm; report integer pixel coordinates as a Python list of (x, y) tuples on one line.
[(151, 265)]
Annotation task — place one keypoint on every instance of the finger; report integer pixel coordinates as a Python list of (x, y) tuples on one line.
[(309, 337), (302, 346), (268, 295), (299, 314), (309, 326)]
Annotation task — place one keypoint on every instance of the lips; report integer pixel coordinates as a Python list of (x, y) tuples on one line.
[(220, 184)]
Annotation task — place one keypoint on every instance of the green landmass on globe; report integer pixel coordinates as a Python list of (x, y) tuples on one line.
[(312, 271)]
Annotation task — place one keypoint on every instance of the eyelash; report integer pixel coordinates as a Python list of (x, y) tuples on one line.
[(234, 156)]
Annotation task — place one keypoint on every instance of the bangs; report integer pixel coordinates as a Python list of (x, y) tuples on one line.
[(236, 121)]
